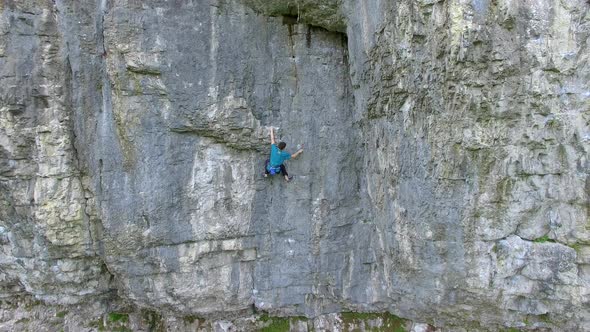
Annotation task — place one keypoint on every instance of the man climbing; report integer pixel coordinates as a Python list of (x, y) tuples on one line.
[(275, 165)]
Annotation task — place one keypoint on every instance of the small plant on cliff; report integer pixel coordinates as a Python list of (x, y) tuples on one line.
[(389, 321), (543, 239), (118, 317), (277, 324)]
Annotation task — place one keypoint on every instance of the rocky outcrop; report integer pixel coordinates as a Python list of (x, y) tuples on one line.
[(471, 166), (48, 230), (445, 177)]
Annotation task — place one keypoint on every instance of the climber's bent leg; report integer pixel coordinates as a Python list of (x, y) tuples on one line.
[(266, 172), (284, 172)]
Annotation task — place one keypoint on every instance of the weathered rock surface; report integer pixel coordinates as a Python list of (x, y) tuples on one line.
[(49, 238), (445, 177)]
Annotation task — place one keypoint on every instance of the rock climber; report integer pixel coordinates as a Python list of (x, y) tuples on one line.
[(278, 156)]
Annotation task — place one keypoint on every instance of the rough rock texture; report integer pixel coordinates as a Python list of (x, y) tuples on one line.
[(477, 151), (190, 224), (445, 177), (37, 316), (47, 232)]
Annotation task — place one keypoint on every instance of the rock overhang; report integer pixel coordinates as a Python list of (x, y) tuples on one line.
[(326, 14)]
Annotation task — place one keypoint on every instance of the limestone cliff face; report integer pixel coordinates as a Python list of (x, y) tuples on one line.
[(445, 177)]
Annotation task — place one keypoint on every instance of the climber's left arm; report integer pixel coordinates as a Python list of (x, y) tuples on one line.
[(294, 155)]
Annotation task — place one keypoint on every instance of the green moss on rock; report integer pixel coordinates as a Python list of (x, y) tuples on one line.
[(275, 324), (351, 321), (118, 317), (543, 239)]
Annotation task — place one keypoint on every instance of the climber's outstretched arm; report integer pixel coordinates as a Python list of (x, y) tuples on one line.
[(294, 155), (272, 135)]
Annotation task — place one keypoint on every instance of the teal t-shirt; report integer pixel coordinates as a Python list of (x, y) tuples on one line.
[(277, 157)]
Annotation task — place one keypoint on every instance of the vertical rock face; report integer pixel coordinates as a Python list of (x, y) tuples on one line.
[(477, 156), (190, 223), (445, 176), (48, 241)]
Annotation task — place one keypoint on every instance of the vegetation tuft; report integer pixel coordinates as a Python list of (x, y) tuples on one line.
[(277, 324), (351, 321), (543, 239), (118, 317)]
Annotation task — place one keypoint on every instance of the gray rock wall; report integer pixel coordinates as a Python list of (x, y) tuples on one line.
[(445, 176), (191, 224), (49, 243), (477, 167)]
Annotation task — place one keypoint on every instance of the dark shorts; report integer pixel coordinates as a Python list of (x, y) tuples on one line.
[(283, 168)]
